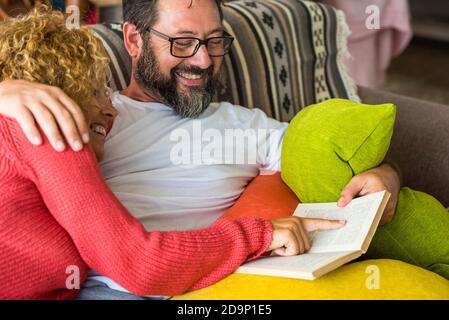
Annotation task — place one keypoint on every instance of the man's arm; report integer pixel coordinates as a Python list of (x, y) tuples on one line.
[(396, 168), (35, 105)]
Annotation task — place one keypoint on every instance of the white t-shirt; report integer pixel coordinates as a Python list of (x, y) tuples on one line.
[(171, 173), (175, 173)]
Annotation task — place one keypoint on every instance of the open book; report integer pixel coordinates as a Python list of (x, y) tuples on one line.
[(331, 248)]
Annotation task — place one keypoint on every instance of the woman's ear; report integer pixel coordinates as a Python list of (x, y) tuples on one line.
[(132, 39)]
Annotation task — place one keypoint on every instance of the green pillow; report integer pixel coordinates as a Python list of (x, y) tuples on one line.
[(326, 144), (418, 234)]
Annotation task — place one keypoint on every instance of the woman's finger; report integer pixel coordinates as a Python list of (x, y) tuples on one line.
[(305, 236), (48, 125), (26, 121), (298, 237), (77, 114), (65, 122)]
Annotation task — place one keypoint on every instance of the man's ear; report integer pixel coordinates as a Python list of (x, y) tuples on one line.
[(132, 39)]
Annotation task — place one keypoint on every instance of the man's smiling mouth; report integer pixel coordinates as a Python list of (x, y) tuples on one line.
[(191, 79), (189, 76)]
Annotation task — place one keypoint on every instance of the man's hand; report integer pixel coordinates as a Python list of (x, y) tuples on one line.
[(290, 234), (384, 177), (35, 105)]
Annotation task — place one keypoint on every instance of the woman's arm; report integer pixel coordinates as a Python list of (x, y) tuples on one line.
[(114, 243)]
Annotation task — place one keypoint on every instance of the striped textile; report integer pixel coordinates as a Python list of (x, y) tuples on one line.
[(287, 54), (120, 62)]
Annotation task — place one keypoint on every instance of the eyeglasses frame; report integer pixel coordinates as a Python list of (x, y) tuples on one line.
[(198, 46)]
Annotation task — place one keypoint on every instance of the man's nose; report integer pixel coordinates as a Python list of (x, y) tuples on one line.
[(201, 59)]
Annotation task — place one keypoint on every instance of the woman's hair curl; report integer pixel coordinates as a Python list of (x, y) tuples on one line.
[(39, 47)]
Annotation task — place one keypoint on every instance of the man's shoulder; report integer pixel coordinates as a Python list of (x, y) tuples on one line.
[(229, 108)]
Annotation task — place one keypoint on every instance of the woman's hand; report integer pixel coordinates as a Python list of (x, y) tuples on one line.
[(290, 234), (34, 105)]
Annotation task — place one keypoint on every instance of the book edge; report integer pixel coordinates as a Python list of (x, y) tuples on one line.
[(375, 223), (297, 274)]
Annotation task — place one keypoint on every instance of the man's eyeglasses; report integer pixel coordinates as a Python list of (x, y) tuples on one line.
[(186, 47)]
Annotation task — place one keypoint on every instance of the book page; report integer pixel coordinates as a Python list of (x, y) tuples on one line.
[(359, 215), (304, 266)]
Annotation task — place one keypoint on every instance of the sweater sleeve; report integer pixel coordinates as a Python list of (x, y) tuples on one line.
[(114, 243)]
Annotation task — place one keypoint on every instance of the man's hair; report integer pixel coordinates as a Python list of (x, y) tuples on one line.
[(143, 13)]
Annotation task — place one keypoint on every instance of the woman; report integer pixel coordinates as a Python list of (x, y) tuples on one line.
[(59, 219)]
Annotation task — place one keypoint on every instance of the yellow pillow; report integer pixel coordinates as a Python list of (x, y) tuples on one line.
[(370, 279)]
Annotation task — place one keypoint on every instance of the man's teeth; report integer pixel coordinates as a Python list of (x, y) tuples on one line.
[(190, 76), (99, 129)]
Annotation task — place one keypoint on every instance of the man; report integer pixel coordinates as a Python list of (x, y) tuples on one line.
[(156, 161)]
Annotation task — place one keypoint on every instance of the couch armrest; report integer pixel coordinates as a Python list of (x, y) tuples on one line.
[(420, 144)]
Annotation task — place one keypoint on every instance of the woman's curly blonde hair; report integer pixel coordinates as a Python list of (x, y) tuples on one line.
[(39, 47)]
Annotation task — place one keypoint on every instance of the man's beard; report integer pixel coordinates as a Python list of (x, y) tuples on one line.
[(186, 104)]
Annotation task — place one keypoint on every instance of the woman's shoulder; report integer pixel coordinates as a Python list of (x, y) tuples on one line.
[(5, 121), (12, 136), (9, 126), (35, 159), (7, 130), (14, 140), (8, 144)]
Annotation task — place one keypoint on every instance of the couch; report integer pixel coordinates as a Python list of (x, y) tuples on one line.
[(288, 54), (419, 142)]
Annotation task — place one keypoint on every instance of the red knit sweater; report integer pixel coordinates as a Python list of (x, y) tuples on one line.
[(56, 211)]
